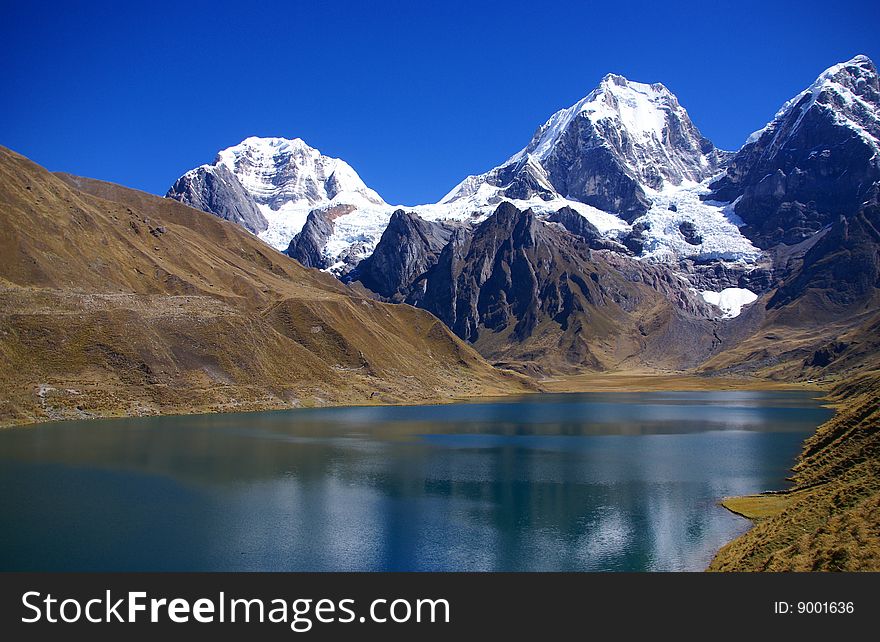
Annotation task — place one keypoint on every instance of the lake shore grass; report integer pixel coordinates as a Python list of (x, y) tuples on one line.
[(756, 507), (658, 381), (830, 519)]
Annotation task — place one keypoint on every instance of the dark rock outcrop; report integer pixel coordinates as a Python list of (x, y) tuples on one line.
[(842, 269), (489, 278), (719, 275), (578, 225), (524, 290), (217, 190), (689, 232), (634, 239), (307, 246), (409, 246), (816, 161)]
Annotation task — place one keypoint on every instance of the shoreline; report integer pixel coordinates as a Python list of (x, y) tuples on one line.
[(758, 506), (672, 382), (622, 382)]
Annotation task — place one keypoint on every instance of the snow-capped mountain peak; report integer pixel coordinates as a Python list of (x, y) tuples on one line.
[(625, 151), (848, 90), (606, 150), (270, 185), (638, 108), (279, 172), (818, 159)]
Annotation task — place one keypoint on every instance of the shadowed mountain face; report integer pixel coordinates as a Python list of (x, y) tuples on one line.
[(307, 246), (578, 225), (408, 247), (522, 290), (553, 295), (113, 301), (843, 266), (218, 190), (807, 186), (816, 161), (822, 316)]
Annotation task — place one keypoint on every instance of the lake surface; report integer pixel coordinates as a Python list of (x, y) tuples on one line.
[(585, 482)]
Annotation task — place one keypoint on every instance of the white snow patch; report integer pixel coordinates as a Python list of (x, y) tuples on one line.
[(714, 223), (356, 234), (730, 300), (284, 223)]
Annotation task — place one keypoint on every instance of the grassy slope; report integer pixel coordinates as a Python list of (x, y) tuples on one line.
[(830, 519), (784, 346), (114, 302)]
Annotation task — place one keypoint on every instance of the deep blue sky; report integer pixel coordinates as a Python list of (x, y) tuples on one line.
[(414, 95)]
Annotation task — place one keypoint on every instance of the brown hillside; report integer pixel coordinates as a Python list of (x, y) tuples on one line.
[(113, 301), (822, 320)]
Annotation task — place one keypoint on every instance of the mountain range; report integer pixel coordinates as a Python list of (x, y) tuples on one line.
[(619, 237), (618, 240)]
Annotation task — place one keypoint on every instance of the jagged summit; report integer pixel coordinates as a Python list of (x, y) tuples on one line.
[(815, 161), (605, 150), (848, 89), (636, 110), (626, 157)]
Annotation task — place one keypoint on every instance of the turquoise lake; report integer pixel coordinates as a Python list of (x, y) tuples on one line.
[(571, 482)]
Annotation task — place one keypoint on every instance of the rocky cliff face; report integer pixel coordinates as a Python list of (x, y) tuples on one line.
[(408, 248), (612, 157), (807, 188), (613, 241), (578, 225), (523, 290), (217, 190), (842, 269), (308, 245), (815, 161)]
